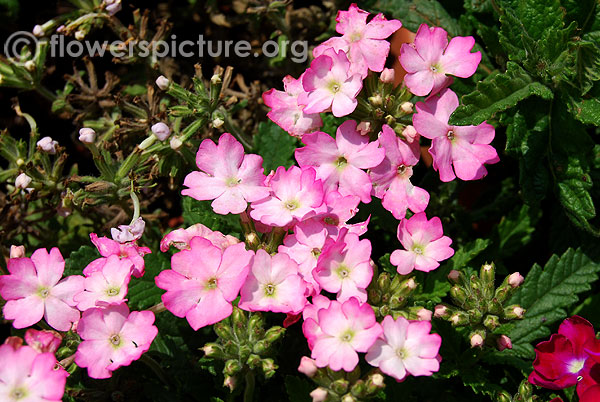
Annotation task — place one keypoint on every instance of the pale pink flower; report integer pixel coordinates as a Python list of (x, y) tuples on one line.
[(391, 178), (515, 279), (44, 340), (29, 376), (295, 195), (464, 148), (203, 281), (180, 238), (286, 112), (112, 337), (431, 57), (339, 210), (34, 289), (346, 329), (329, 84), (310, 326), (344, 267), (363, 42), (22, 181), (106, 286), (339, 162), (48, 145), (227, 176), (126, 251), (405, 348), (424, 242), (127, 233), (273, 284)]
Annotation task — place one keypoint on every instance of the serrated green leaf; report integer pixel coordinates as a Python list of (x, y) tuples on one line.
[(546, 293), (587, 110), (143, 292), (79, 259), (201, 212), (515, 230), (298, 390), (275, 146), (467, 253), (497, 93), (386, 265)]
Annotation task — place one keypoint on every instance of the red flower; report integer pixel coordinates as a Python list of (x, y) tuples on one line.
[(569, 358)]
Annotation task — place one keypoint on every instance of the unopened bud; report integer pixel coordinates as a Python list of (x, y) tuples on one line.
[(487, 273), (525, 389), (515, 279), (114, 7), (17, 251), (348, 398), (503, 396), (274, 333), (318, 394), (454, 276), (268, 367), (339, 386), (503, 342), (87, 135), (410, 134), (48, 145), (175, 143), (20, 162), (476, 340), (163, 82), (424, 315), (407, 107), (22, 181), (14, 341), (212, 349), (29, 65), (230, 382), (387, 76), (253, 361), (514, 312), (161, 131), (458, 294), (459, 319), (223, 331), (79, 35), (232, 367), (440, 311), (364, 127), (215, 79), (491, 322), (38, 31), (307, 366), (218, 122), (376, 100)]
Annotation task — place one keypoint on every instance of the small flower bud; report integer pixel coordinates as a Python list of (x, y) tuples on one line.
[(230, 382), (268, 367), (113, 8), (487, 273), (459, 319), (161, 131), (476, 340), (424, 315), (223, 331), (515, 279), (215, 79), (454, 275), (43, 341), (348, 398), (20, 162), (459, 295), (60, 29), (410, 134), (503, 342), (212, 349), (29, 65), (376, 100), (318, 394), (387, 76), (440, 311), (232, 367), (514, 312), (218, 122), (525, 389), (307, 366), (22, 181), (253, 361), (491, 322), (407, 107), (38, 31), (163, 82), (377, 379), (339, 386), (364, 127), (175, 143), (79, 35), (17, 251), (503, 396), (87, 135), (48, 145)]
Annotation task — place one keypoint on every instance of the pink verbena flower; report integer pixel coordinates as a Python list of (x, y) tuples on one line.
[(227, 176), (106, 286), (344, 267), (464, 148), (44, 340), (391, 178), (329, 84), (346, 329), (310, 327), (405, 348), (273, 284), (339, 210), (112, 338), (26, 375), (339, 162), (126, 251), (424, 242), (363, 42), (431, 57), (295, 195), (203, 281), (567, 358), (286, 112), (180, 238), (127, 233), (34, 289)]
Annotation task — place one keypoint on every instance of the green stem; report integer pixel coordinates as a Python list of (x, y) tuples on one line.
[(136, 207), (249, 390), (46, 93), (155, 367)]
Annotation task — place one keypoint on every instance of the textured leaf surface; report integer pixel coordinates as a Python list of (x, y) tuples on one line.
[(413, 13), (275, 146)]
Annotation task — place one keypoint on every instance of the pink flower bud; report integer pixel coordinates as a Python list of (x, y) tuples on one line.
[(364, 127), (519, 312), (175, 143), (387, 76), (87, 135), (307, 366), (48, 145), (22, 181), (161, 131), (504, 342), (43, 341), (454, 275), (476, 341), (407, 107), (38, 31), (377, 379), (162, 82), (14, 341), (515, 280), (113, 8), (229, 383), (17, 251), (424, 315), (410, 134), (319, 394), (127, 233), (440, 311)]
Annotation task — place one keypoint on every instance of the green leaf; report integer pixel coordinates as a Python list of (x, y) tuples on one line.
[(386, 265), (143, 292), (467, 253), (546, 293), (79, 259), (587, 110), (413, 13), (496, 93), (275, 146), (298, 390), (515, 229), (201, 212)]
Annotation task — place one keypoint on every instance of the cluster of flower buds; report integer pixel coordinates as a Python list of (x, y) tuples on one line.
[(523, 395), (244, 345), (341, 385), (390, 296), (478, 304)]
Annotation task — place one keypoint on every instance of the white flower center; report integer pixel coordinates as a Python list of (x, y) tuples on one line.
[(418, 250), (18, 393), (115, 340), (43, 292), (576, 365), (347, 336), (402, 353), (291, 205), (232, 182), (450, 135), (211, 283), (343, 271), (270, 290), (112, 291), (340, 162), (335, 86)]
